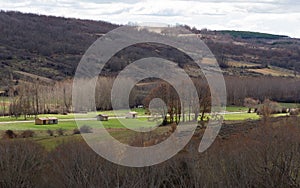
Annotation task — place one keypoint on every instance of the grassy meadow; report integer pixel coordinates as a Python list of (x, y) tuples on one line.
[(68, 124)]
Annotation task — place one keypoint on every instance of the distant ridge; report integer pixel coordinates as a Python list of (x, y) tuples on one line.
[(251, 35), (51, 47)]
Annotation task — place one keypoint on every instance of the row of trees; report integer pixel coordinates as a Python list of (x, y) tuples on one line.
[(261, 88), (32, 98), (186, 107)]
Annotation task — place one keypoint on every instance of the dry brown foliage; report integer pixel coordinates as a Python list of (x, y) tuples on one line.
[(264, 156)]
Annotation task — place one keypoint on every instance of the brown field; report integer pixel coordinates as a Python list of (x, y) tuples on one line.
[(241, 64), (272, 72)]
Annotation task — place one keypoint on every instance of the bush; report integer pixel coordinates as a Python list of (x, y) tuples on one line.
[(21, 163), (50, 132), (85, 129), (9, 134), (74, 164), (267, 108), (60, 132), (294, 112), (27, 134), (76, 131)]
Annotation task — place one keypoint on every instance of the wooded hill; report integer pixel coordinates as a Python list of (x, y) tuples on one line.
[(51, 47)]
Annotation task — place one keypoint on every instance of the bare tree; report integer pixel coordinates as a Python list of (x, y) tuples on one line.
[(21, 163), (251, 103), (267, 108)]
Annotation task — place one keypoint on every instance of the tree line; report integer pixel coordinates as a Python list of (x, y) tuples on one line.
[(33, 98)]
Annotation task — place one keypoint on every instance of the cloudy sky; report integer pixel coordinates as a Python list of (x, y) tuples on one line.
[(271, 16)]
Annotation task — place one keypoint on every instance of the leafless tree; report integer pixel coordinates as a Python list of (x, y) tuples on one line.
[(21, 163), (251, 103)]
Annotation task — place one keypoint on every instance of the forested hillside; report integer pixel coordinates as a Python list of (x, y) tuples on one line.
[(51, 47), (44, 45)]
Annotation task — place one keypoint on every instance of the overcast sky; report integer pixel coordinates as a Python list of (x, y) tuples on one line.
[(271, 16)]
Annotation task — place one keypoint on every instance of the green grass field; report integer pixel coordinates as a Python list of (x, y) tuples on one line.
[(31, 126), (69, 125), (290, 105), (67, 121), (112, 123), (110, 113), (241, 116), (51, 142), (114, 126), (236, 109)]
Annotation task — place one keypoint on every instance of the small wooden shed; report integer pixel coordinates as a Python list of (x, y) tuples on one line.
[(46, 121), (2, 93), (102, 117), (132, 115)]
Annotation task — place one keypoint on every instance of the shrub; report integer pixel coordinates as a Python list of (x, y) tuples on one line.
[(85, 129), (50, 132), (285, 110), (60, 132), (251, 103), (10, 134), (294, 112), (76, 131), (27, 134), (267, 108)]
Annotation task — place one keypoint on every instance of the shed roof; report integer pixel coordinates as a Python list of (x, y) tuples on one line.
[(103, 115), (47, 118)]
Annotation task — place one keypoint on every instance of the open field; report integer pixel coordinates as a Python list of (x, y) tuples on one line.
[(49, 142), (235, 113), (110, 113), (112, 123), (31, 126), (241, 116), (289, 105), (236, 109), (241, 64), (233, 123), (114, 126), (273, 72)]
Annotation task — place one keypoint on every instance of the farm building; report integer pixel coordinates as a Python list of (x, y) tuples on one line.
[(102, 117), (132, 115), (46, 121)]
